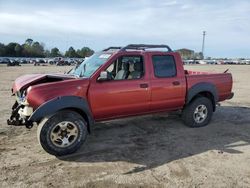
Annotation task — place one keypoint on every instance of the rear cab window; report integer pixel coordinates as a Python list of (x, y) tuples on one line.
[(164, 66)]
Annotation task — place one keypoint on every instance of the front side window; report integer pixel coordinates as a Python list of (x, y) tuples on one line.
[(164, 66), (126, 68)]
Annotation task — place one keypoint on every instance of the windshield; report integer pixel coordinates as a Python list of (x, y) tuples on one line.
[(90, 65)]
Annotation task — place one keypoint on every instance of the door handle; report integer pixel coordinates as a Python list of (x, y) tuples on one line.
[(176, 83), (143, 85)]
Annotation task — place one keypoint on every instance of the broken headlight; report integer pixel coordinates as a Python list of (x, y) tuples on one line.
[(21, 97)]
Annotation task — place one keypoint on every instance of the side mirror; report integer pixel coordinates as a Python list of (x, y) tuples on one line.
[(104, 76)]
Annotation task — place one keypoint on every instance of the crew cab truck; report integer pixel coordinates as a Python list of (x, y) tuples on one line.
[(114, 83)]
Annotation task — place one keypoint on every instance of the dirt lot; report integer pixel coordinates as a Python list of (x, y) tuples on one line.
[(148, 151)]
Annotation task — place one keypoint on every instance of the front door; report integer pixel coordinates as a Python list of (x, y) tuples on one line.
[(127, 92)]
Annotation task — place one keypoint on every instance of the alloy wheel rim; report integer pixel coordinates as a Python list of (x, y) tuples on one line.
[(200, 113), (64, 134)]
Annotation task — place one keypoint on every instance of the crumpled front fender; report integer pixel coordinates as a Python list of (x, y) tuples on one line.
[(60, 103)]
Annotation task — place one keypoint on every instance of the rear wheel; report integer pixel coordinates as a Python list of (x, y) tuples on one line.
[(198, 113), (62, 133)]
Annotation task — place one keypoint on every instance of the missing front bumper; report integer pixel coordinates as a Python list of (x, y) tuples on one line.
[(19, 116)]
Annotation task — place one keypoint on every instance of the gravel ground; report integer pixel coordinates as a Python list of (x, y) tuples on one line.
[(147, 151)]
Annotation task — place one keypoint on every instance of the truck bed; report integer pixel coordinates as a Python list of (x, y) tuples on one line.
[(222, 81)]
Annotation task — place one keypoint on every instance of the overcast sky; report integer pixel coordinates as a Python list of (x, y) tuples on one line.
[(98, 24)]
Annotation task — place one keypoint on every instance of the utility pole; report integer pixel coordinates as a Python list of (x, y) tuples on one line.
[(203, 44)]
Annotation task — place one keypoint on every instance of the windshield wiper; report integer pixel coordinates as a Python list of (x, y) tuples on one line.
[(82, 72), (81, 75)]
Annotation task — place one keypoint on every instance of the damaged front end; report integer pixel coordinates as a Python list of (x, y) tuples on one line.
[(31, 91), (21, 111)]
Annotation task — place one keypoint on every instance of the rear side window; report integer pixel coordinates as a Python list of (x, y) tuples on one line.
[(164, 66)]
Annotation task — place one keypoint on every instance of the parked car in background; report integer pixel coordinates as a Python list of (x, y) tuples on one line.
[(40, 62), (51, 61), (4, 61), (63, 62), (13, 62), (23, 61)]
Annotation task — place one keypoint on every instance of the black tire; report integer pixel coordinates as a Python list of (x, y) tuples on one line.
[(189, 114), (46, 130)]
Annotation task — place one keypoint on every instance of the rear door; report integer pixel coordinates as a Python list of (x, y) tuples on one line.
[(124, 96), (168, 84)]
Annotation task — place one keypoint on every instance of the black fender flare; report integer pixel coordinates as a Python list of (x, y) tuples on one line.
[(202, 87), (60, 103)]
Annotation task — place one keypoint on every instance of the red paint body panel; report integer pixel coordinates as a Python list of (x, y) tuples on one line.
[(164, 94), (39, 94), (26, 80), (30, 79), (121, 98), (222, 81)]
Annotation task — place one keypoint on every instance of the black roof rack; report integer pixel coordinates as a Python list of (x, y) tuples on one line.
[(144, 47), (112, 48), (138, 47)]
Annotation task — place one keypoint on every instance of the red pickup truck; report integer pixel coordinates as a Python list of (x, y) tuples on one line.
[(116, 82)]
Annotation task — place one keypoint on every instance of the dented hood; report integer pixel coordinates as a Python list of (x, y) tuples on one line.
[(25, 81)]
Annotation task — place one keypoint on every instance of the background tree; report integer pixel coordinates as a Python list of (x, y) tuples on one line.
[(37, 50), (31, 48), (10, 49), (29, 42), (18, 50), (85, 52), (2, 50), (47, 53), (71, 53), (27, 48), (55, 52)]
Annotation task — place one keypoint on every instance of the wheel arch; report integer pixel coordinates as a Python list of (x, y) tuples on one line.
[(83, 114), (77, 104), (204, 89)]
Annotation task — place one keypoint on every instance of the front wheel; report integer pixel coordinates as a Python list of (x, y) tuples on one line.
[(198, 113), (63, 133)]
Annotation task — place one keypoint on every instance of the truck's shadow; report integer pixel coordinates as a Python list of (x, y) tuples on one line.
[(154, 140)]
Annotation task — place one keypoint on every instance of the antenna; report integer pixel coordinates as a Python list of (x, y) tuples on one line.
[(203, 44)]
